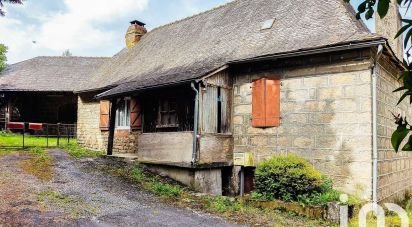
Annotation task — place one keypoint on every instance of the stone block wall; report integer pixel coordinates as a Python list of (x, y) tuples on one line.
[(88, 129), (125, 141), (326, 118), (88, 120), (394, 169)]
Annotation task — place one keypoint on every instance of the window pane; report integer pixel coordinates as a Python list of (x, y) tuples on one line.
[(127, 118), (123, 114)]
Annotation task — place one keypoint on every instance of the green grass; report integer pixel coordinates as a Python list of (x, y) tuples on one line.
[(74, 205), (222, 204), (164, 189), (154, 184), (40, 164), (16, 140), (77, 151)]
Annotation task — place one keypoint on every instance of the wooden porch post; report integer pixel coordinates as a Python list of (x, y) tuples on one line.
[(112, 121), (9, 110)]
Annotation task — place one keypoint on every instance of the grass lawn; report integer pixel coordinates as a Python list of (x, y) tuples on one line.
[(16, 140)]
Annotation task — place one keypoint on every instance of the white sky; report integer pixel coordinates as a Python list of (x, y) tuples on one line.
[(87, 27)]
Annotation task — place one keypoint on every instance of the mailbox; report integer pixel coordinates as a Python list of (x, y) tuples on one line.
[(243, 159)]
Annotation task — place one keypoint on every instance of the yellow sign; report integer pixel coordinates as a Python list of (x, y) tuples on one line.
[(243, 159)]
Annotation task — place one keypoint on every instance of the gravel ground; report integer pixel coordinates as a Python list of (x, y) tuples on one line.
[(80, 195)]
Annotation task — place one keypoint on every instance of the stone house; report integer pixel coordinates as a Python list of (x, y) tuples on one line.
[(40, 90), (205, 99)]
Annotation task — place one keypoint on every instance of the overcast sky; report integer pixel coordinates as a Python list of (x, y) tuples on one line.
[(85, 27)]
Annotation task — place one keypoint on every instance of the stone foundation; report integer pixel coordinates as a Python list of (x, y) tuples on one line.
[(207, 181)]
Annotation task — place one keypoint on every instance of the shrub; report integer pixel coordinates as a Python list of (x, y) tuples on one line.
[(287, 178)]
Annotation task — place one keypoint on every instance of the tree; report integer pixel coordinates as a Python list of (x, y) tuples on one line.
[(367, 8), (3, 58), (2, 13), (67, 53)]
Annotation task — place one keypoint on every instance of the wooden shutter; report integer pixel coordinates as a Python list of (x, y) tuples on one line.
[(104, 115), (135, 114), (272, 102), (266, 103), (258, 103)]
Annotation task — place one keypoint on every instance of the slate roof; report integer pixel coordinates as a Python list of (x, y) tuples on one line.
[(49, 74), (192, 47)]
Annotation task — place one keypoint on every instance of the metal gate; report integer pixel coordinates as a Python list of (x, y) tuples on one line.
[(26, 134)]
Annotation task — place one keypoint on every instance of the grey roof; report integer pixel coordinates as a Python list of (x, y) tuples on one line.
[(192, 47), (57, 74)]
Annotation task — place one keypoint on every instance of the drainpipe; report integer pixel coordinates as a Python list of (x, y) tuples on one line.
[(375, 129), (195, 123)]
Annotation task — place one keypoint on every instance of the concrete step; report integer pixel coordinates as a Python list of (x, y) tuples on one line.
[(124, 157)]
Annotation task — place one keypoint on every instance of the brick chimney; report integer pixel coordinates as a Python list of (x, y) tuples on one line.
[(134, 33), (389, 26)]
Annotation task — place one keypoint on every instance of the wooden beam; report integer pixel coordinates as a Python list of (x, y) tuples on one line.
[(112, 121)]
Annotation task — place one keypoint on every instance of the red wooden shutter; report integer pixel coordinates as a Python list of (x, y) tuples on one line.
[(266, 103), (272, 102), (258, 103), (135, 114), (104, 115)]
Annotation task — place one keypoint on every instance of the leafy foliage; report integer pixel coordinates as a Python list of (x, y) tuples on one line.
[(67, 53), (287, 178), (3, 58), (2, 13), (401, 133)]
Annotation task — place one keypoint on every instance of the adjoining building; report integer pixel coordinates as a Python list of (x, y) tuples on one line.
[(40, 90)]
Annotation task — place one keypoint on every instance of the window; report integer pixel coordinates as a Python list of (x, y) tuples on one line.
[(167, 113), (266, 103), (167, 110), (123, 113)]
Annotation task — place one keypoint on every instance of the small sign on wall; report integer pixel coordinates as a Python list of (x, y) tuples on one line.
[(243, 159)]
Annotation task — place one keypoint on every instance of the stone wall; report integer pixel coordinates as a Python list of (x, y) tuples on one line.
[(394, 169), (88, 129), (389, 26), (326, 118), (88, 120)]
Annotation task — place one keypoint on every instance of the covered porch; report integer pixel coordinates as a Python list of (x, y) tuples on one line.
[(184, 132)]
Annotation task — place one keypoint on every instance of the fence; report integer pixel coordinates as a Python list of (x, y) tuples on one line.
[(25, 135)]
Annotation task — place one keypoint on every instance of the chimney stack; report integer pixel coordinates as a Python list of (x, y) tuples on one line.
[(389, 26), (134, 33)]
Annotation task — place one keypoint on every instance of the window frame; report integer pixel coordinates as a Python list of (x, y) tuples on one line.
[(169, 111)]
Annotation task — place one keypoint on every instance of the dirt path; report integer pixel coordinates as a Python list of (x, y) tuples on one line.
[(80, 195)]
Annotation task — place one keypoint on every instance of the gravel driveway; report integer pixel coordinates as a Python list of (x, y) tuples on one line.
[(80, 195)]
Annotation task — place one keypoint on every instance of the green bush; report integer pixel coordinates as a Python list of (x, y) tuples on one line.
[(287, 178)]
